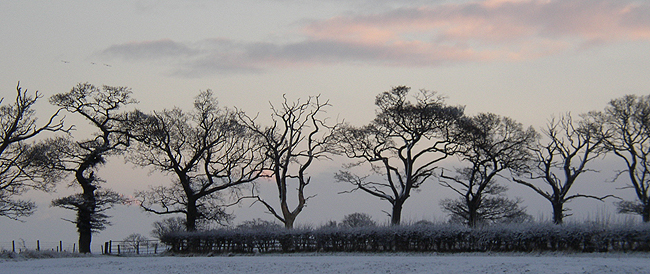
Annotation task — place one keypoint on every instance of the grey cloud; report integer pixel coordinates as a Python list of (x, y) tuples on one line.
[(222, 56), (217, 63), (149, 50), (311, 51), (330, 51)]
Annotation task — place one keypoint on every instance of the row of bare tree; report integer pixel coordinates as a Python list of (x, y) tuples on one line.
[(215, 153)]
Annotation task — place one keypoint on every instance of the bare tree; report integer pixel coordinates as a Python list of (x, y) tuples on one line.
[(495, 208), (135, 241), (402, 145), (18, 173), (569, 147), (259, 224), (168, 225), (297, 137), (100, 107), (357, 220), (627, 121), (493, 144), (207, 150)]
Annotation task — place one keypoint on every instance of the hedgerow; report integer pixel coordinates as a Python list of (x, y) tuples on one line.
[(526, 237)]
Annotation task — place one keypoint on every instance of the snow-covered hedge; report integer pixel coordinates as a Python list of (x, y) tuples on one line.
[(424, 238)]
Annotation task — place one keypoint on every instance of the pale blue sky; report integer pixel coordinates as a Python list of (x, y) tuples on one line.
[(524, 59)]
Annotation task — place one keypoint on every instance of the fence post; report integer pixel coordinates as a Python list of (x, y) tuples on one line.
[(106, 248), (118, 249), (38, 245), (13, 246), (110, 247), (61, 246), (74, 247)]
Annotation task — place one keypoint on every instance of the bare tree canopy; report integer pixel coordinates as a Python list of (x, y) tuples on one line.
[(495, 208), (135, 241), (168, 225), (297, 137), (567, 149), (357, 220), (259, 224), (403, 145), (207, 151), (18, 173), (99, 106), (493, 144), (627, 124)]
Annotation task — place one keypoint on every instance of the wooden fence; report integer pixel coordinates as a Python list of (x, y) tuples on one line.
[(141, 247), (38, 245)]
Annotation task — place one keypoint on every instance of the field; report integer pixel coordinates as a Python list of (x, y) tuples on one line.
[(341, 263)]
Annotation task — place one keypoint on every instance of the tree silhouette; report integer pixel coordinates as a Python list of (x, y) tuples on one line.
[(207, 150), (19, 171), (493, 144), (569, 147), (626, 123), (99, 106), (403, 145), (297, 137)]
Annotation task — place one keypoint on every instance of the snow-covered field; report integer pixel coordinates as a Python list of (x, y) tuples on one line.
[(341, 263)]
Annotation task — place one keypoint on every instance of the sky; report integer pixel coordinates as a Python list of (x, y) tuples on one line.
[(526, 59)]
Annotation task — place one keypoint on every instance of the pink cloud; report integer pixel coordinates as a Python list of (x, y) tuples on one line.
[(522, 27), (503, 30)]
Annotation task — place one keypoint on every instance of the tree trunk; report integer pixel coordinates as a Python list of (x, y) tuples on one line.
[(558, 213), (84, 220), (646, 212), (472, 218), (396, 216), (288, 221), (85, 230), (85, 238), (191, 214), (289, 216), (473, 205)]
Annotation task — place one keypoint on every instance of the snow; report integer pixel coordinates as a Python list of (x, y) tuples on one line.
[(342, 263)]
